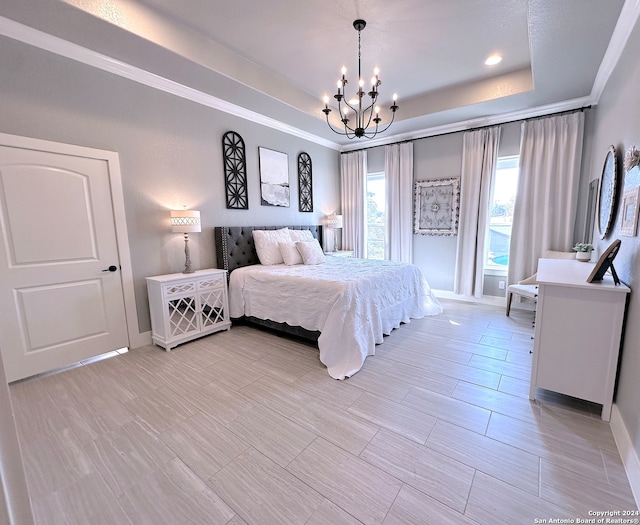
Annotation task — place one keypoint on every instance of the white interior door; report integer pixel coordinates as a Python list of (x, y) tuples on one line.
[(60, 303)]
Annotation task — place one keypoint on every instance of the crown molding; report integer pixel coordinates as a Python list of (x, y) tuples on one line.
[(626, 22), (480, 122), (59, 46)]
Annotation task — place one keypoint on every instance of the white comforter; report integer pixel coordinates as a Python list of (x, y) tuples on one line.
[(352, 302)]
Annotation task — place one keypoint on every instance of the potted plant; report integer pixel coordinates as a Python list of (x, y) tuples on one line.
[(583, 251)]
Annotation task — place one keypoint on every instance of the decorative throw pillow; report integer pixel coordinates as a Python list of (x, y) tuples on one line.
[(301, 235), (290, 253), (267, 241), (310, 251)]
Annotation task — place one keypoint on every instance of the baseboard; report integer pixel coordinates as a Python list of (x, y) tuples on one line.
[(629, 456), (485, 299)]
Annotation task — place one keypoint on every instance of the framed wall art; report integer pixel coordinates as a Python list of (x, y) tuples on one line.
[(274, 177), (305, 180), (235, 171), (437, 207), (629, 224)]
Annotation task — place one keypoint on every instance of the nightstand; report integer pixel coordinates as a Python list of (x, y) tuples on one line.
[(340, 253), (187, 306)]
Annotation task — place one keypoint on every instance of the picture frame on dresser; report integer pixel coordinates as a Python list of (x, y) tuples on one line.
[(605, 262)]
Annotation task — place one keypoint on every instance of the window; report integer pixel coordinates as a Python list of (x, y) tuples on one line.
[(503, 198), (375, 223)]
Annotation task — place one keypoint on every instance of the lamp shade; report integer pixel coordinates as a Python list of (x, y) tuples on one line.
[(185, 221), (334, 221)]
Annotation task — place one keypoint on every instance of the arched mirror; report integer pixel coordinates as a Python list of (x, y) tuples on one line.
[(607, 196)]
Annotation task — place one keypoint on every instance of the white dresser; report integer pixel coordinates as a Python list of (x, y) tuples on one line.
[(577, 333), (186, 306)]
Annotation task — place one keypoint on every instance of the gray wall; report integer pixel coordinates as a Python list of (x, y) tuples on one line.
[(617, 122), (491, 285), (441, 158), (437, 158), (170, 154)]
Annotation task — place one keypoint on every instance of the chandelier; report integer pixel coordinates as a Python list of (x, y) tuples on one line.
[(365, 112)]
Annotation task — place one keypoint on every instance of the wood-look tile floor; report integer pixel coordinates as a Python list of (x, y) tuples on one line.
[(245, 427)]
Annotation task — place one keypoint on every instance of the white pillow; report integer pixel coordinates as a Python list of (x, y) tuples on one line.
[(301, 235), (310, 251), (267, 241), (290, 253)]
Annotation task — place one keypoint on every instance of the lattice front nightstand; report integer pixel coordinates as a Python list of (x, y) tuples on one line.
[(186, 306)]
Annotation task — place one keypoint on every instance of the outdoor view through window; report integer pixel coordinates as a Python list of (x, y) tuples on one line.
[(503, 198), (375, 220)]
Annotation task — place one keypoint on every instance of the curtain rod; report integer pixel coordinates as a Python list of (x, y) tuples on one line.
[(566, 112)]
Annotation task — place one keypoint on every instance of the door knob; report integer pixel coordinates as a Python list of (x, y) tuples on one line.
[(111, 268)]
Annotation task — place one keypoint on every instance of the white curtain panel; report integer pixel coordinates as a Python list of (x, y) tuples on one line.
[(546, 202), (479, 158), (353, 169), (398, 174)]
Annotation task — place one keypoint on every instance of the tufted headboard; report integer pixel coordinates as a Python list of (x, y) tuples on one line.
[(235, 248)]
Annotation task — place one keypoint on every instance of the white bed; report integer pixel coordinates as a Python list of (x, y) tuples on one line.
[(353, 303)]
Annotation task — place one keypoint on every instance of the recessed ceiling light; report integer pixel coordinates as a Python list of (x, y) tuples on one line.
[(493, 60)]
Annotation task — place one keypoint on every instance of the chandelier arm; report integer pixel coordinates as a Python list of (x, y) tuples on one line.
[(367, 108), (344, 133), (393, 116), (342, 116), (348, 105), (370, 135), (338, 132), (346, 127), (370, 109)]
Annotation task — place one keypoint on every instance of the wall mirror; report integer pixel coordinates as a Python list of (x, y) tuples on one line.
[(607, 196), (592, 211)]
